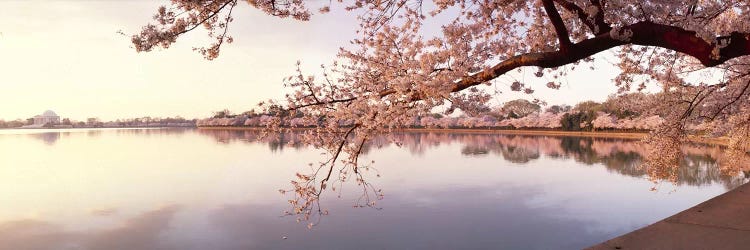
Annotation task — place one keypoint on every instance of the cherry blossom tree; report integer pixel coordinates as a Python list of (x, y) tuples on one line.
[(253, 122), (393, 72), (550, 120), (556, 109), (604, 121), (447, 122), (428, 121), (520, 108)]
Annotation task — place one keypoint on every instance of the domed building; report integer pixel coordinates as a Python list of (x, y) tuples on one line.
[(48, 117)]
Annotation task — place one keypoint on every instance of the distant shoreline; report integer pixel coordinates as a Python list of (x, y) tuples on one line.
[(61, 128)]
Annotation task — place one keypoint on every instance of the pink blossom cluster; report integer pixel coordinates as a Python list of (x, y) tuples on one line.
[(242, 120), (608, 121), (543, 120)]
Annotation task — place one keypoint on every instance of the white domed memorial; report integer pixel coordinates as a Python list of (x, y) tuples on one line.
[(48, 117)]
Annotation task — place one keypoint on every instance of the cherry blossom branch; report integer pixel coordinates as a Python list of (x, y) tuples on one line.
[(733, 100), (213, 14), (171, 25), (336, 156), (698, 99)]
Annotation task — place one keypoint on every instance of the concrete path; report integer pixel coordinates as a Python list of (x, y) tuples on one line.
[(719, 223)]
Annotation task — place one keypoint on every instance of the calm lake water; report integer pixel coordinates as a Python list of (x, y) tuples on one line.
[(216, 189)]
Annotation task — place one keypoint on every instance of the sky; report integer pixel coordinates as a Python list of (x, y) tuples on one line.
[(67, 56)]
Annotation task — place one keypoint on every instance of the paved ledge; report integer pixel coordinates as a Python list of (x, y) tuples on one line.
[(722, 222)]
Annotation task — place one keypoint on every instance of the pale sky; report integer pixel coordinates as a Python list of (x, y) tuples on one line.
[(68, 57)]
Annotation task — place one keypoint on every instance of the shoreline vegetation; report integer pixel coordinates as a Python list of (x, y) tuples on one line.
[(54, 122), (634, 135), (95, 127)]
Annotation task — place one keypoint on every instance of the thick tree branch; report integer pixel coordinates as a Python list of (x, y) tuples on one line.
[(599, 17), (554, 17), (596, 23), (333, 101), (643, 33)]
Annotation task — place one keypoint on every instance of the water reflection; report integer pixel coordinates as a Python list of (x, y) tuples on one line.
[(623, 156), (140, 232), (216, 189), (505, 220), (510, 214), (276, 142), (49, 138)]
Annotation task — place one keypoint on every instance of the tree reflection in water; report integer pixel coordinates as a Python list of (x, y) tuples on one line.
[(50, 137), (699, 165)]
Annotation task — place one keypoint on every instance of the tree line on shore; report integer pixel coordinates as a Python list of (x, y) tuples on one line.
[(96, 123), (618, 112)]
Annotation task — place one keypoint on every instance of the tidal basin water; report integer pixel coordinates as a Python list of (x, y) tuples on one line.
[(218, 189)]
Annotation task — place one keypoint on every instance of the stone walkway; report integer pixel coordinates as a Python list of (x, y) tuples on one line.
[(719, 223)]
